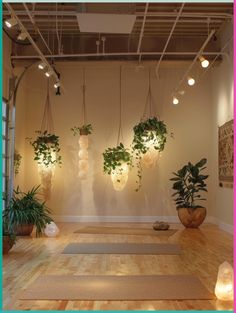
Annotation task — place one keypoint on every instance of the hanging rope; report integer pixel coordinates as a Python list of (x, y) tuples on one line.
[(47, 121), (120, 133), (149, 110), (84, 105)]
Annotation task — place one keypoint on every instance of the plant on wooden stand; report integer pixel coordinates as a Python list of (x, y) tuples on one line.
[(189, 183)]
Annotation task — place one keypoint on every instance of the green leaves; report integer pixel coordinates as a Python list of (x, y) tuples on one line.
[(46, 149), (83, 130), (189, 183), (114, 157), (25, 208)]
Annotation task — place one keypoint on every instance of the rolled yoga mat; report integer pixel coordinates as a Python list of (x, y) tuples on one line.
[(153, 287), (125, 231), (121, 248)]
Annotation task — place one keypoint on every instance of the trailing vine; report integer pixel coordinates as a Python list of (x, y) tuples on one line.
[(17, 162)]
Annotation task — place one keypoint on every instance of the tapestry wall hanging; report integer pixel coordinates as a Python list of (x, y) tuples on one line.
[(226, 154)]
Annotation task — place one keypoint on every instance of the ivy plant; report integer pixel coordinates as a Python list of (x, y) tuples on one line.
[(17, 162), (86, 129), (46, 149), (114, 157), (148, 130), (188, 184)]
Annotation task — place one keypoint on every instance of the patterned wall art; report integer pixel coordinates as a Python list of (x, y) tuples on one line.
[(226, 154)]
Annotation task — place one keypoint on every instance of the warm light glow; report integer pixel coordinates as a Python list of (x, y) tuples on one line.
[(191, 81), (41, 66), (119, 176), (204, 62), (224, 288), (10, 22), (149, 159), (175, 101), (22, 36), (48, 74), (57, 84), (83, 157)]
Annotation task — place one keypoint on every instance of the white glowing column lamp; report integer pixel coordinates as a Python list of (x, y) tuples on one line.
[(83, 156), (46, 173), (119, 176), (224, 289), (150, 158)]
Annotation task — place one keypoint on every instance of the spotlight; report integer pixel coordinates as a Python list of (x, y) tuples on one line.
[(22, 36), (41, 66), (204, 62), (48, 73), (10, 22), (191, 81), (175, 100), (57, 84)]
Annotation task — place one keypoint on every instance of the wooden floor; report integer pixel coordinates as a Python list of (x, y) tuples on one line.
[(203, 251)]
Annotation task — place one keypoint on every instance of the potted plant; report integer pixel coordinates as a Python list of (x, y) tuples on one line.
[(46, 149), (117, 162), (86, 129), (189, 183), (8, 236), (25, 211)]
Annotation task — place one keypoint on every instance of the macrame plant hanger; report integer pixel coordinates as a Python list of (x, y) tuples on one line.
[(46, 174), (47, 120), (84, 117), (149, 109), (120, 133)]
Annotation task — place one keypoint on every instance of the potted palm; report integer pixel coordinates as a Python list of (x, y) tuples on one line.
[(8, 236), (25, 211), (189, 184)]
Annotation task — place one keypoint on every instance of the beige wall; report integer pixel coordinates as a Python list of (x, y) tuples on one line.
[(222, 111), (95, 197)]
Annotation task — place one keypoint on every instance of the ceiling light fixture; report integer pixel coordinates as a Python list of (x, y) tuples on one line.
[(57, 84), (48, 73), (191, 81), (204, 62), (22, 36), (41, 66), (10, 22), (175, 101)]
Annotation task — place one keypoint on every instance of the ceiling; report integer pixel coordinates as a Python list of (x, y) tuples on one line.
[(58, 25)]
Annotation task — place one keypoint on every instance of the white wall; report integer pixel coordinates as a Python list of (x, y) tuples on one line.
[(95, 197), (222, 111)]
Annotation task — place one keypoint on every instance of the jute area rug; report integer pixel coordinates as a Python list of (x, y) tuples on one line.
[(121, 248), (69, 287), (125, 231)]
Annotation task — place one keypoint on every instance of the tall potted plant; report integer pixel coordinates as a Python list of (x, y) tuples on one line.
[(189, 184), (8, 236), (25, 211)]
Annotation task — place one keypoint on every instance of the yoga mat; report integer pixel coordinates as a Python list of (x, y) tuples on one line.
[(156, 287), (121, 248), (125, 231)]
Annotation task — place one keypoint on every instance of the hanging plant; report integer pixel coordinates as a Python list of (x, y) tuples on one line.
[(117, 162), (17, 162), (46, 149), (83, 130), (149, 133)]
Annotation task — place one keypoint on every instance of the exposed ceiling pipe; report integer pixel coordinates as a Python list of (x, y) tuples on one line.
[(82, 55), (40, 56), (36, 27), (168, 39), (154, 14), (200, 52), (142, 30)]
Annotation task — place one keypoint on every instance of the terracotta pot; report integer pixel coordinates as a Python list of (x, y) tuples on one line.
[(192, 218), (24, 229), (7, 244)]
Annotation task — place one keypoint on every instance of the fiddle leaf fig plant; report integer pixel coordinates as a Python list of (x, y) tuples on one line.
[(189, 183), (86, 129), (114, 157), (46, 149), (149, 130)]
